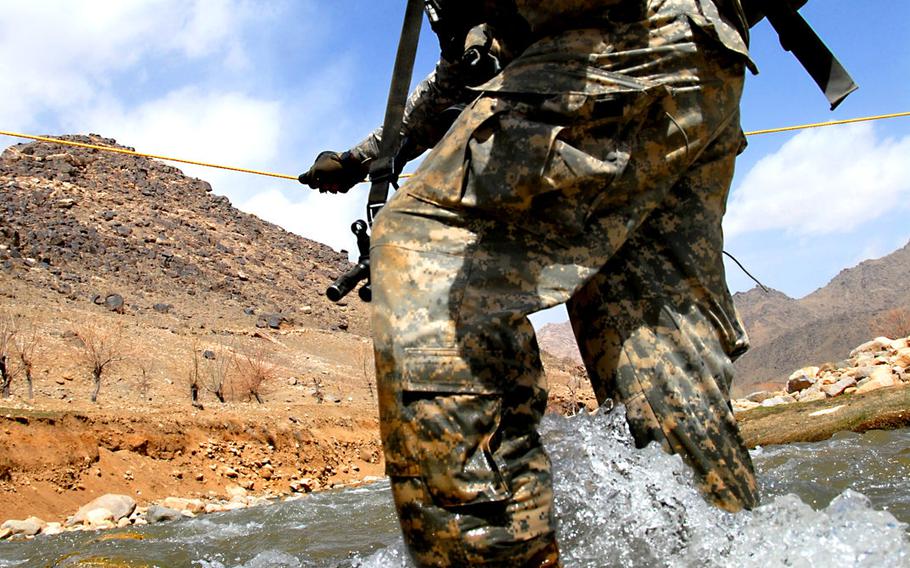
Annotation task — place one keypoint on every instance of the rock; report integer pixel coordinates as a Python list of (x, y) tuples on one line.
[(802, 379), (5, 534), (266, 472), (307, 309), (881, 373), (249, 311), (777, 400), (180, 504), (839, 387), (876, 382), (108, 215), (162, 308), (305, 485), (759, 396), (810, 395), (118, 506), (902, 357), (66, 203), (229, 472), (159, 514), (292, 381), (859, 373), (234, 490), (114, 302), (99, 517), (208, 354), (275, 321), (52, 529), (741, 405), (29, 527), (877, 345)]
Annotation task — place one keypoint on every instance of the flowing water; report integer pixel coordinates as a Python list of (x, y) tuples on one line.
[(842, 502)]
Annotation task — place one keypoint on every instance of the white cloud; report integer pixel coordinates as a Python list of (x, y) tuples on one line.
[(822, 182), (209, 126), (323, 218), (57, 54)]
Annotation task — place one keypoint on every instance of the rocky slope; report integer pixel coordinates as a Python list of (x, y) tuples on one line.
[(88, 224), (823, 326)]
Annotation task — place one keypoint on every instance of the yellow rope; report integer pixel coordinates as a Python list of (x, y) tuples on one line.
[(829, 123), (285, 176)]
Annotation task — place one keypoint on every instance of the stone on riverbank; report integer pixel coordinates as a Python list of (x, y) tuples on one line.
[(29, 527), (159, 514), (876, 364), (96, 512)]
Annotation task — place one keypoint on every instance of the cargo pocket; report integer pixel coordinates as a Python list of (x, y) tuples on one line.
[(448, 420)]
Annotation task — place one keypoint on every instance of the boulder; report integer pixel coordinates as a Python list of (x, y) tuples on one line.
[(114, 302), (159, 514), (162, 308), (802, 379), (877, 345), (876, 382), (902, 357), (839, 387), (29, 527), (777, 400), (118, 506), (100, 517), (192, 505), (881, 373), (233, 490), (741, 405), (810, 395), (760, 396)]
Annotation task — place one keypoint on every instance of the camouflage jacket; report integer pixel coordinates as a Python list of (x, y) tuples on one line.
[(561, 56)]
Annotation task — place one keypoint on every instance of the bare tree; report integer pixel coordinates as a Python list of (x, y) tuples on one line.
[(100, 349), (194, 376), (366, 368), (254, 374), (26, 344), (216, 367), (893, 323), (144, 381), (7, 342)]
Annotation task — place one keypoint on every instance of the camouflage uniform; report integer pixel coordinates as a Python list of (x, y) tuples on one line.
[(593, 170)]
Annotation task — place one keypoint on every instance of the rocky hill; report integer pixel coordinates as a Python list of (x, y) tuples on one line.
[(788, 333), (101, 227)]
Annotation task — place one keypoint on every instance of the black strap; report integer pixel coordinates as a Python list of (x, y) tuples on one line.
[(798, 37), (382, 169)]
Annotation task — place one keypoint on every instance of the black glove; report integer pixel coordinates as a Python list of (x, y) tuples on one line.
[(334, 173)]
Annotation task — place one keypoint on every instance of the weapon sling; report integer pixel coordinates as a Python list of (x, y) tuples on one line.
[(798, 37)]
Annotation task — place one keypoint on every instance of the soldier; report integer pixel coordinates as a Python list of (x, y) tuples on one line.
[(590, 166)]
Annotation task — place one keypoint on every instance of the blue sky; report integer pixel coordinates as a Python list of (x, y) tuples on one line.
[(268, 84)]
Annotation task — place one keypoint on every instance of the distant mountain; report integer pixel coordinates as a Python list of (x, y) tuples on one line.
[(788, 333), (558, 340), (823, 326), (88, 224)]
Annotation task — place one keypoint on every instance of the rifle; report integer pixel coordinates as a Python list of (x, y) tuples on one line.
[(383, 170)]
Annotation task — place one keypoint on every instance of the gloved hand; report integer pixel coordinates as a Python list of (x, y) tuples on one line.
[(334, 173)]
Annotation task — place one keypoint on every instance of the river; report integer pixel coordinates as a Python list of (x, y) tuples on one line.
[(841, 502)]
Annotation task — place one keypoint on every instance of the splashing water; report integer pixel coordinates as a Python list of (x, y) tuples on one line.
[(616, 506)]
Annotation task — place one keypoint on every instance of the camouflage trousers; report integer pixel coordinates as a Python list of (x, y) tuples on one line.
[(611, 202)]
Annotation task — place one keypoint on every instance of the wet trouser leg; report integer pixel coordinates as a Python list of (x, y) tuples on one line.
[(523, 202), (657, 330)]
